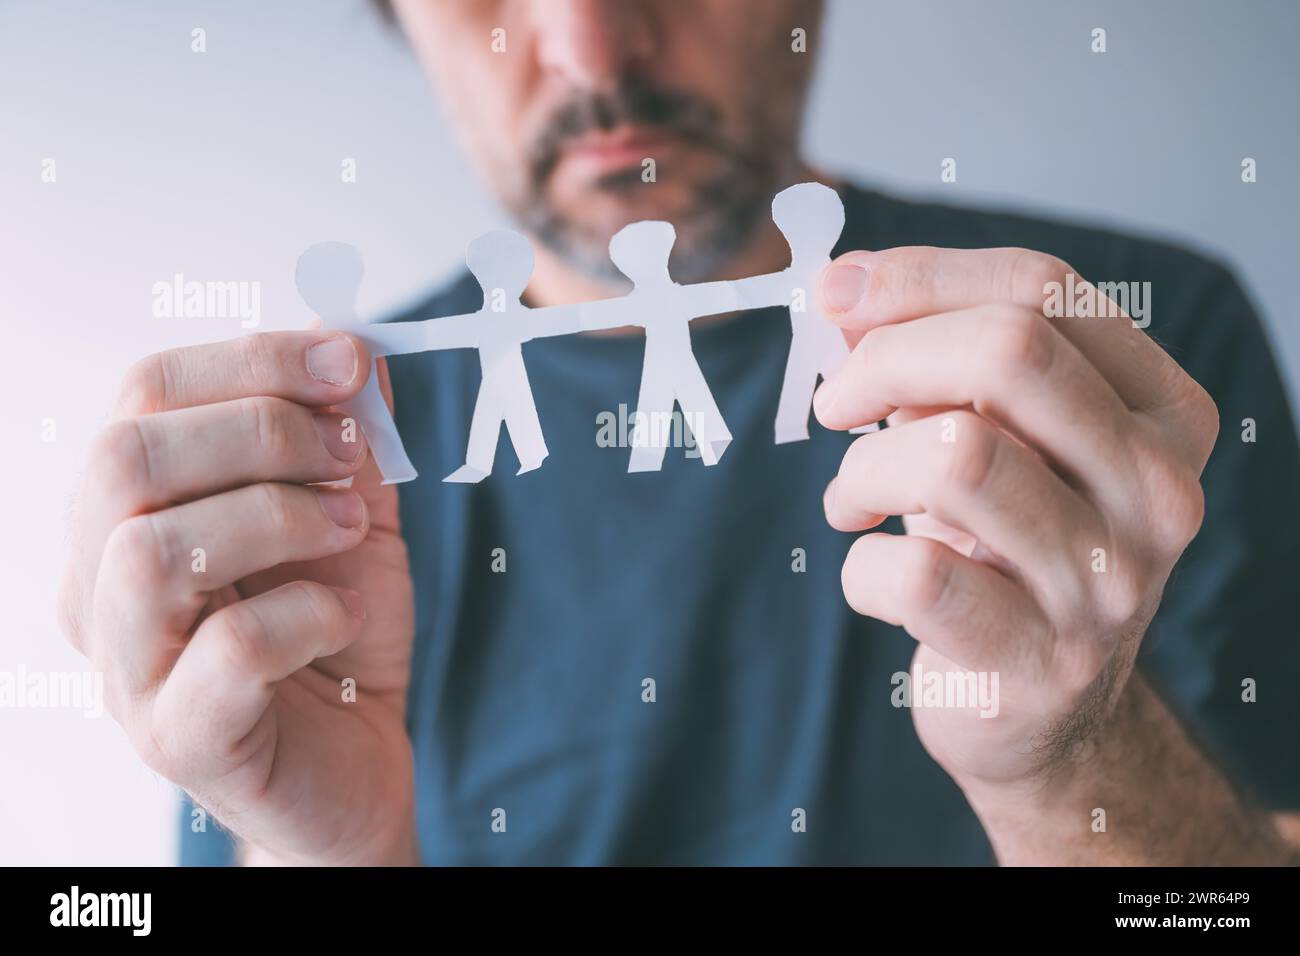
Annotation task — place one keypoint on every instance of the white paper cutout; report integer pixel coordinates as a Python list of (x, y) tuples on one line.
[(502, 262), (670, 373), (329, 278), (810, 215)]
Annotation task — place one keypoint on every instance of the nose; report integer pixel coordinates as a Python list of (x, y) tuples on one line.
[(593, 43)]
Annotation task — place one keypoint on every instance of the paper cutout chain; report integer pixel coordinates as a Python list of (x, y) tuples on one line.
[(809, 215)]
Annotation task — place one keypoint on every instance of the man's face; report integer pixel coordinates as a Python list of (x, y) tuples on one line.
[(561, 103)]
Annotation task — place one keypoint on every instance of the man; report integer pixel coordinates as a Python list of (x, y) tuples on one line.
[(699, 665)]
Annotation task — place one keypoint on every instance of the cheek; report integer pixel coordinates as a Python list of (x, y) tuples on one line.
[(483, 103), (741, 60), (455, 53), (488, 139)]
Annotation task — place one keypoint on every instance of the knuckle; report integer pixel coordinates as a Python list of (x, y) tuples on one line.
[(1183, 512), (1028, 272), (1076, 665), (320, 607), (915, 279), (260, 358), (146, 385), (269, 424), (68, 608), (1190, 510), (1207, 410), (1126, 595), (926, 575), (150, 739), (1176, 501), (851, 572), (973, 456), (854, 466), (874, 348), (140, 551), (1020, 341), (1110, 599), (1204, 415), (279, 517), (897, 275), (244, 640), (119, 458)]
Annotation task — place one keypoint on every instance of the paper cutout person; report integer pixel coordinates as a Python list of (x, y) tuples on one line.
[(329, 278), (502, 262), (670, 372), (811, 217)]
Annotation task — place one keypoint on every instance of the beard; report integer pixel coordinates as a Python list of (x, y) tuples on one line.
[(724, 207)]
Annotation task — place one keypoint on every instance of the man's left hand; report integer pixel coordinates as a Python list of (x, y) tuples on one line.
[(1048, 475)]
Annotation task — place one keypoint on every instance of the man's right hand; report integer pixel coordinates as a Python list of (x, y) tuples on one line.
[(230, 605)]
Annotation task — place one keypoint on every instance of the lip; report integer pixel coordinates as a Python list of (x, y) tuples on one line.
[(617, 149)]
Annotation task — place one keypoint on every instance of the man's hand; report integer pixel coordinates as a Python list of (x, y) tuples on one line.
[(1047, 472), (227, 601)]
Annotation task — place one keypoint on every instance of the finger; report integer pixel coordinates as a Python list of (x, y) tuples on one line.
[(842, 517), (152, 461), (207, 711), (159, 569), (968, 474), (963, 609), (864, 290), (315, 368), (1010, 366), (148, 462)]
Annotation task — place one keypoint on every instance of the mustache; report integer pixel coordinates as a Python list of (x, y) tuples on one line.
[(673, 111)]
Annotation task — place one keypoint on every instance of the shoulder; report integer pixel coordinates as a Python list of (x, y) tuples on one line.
[(1098, 252), (1194, 300)]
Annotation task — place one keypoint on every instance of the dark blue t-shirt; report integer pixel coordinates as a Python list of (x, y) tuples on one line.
[(770, 694)]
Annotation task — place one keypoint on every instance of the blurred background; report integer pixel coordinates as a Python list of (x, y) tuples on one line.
[(225, 165)]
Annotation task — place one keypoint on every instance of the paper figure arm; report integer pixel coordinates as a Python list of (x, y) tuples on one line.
[(554, 320), (609, 314), (765, 291), (755, 292), (402, 338), (709, 298)]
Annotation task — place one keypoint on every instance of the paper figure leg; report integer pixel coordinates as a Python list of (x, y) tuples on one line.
[(797, 390), (524, 428), (484, 430), (654, 408), (701, 412), (371, 412)]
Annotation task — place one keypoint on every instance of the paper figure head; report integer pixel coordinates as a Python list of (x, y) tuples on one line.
[(328, 278), (811, 217), (501, 259), (641, 250)]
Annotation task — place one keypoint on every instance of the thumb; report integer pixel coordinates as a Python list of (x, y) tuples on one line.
[(840, 287)]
